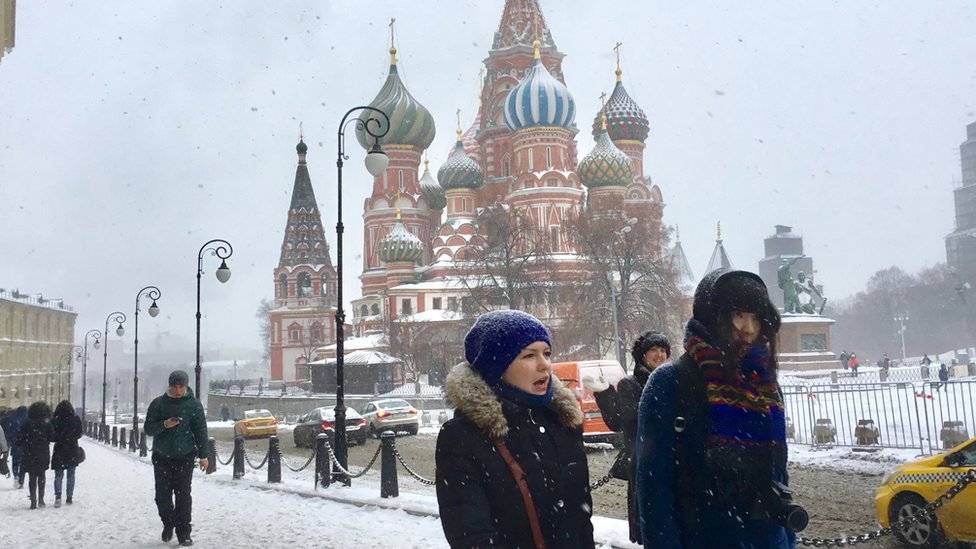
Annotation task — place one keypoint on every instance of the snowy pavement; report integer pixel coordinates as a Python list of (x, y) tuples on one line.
[(114, 508)]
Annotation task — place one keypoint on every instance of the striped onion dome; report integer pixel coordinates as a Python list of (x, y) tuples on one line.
[(459, 171), (400, 245), (625, 118), (431, 190), (410, 122), (606, 165), (539, 100)]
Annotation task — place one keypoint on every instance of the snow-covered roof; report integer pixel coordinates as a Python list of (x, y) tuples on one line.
[(368, 341), (432, 315), (411, 389), (360, 358)]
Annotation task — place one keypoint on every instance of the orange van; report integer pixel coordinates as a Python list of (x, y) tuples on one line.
[(570, 373)]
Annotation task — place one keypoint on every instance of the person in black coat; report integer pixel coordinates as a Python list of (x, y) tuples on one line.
[(618, 406), (11, 425), (511, 469), (35, 439), (67, 431)]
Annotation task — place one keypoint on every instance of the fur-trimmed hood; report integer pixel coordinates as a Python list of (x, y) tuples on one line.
[(467, 391)]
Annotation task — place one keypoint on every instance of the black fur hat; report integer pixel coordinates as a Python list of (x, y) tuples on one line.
[(646, 342), (725, 290)]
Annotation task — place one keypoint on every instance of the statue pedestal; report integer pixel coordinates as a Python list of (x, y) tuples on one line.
[(804, 343)]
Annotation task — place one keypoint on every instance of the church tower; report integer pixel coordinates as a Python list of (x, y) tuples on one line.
[(305, 284)]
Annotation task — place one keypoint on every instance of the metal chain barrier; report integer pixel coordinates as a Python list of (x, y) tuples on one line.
[(921, 515), (599, 483), (343, 470), (229, 459), (266, 454), (311, 458), (411, 471)]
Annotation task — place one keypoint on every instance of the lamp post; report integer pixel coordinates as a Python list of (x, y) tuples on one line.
[(376, 163), (223, 250), (621, 357), (114, 317), (901, 319), (84, 371), (66, 361), (152, 293)]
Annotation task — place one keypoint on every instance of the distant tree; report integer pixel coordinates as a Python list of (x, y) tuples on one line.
[(263, 314)]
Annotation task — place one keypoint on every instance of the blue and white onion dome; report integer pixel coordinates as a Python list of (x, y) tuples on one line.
[(539, 100), (400, 245), (411, 124), (606, 165), (431, 190), (459, 170)]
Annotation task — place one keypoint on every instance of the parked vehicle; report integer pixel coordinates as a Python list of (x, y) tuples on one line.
[(322, 420), (570, 373), (911, 486), (256, 423), (391, 414)]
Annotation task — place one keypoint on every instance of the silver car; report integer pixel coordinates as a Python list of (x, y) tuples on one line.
[(391, 414)]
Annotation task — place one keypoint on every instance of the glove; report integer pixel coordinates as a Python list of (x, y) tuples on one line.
[(596, 384)]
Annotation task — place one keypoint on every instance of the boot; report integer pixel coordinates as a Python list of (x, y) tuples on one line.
[(167, 532), (33, 496), (68, 501), (40, 501), (57, 501)]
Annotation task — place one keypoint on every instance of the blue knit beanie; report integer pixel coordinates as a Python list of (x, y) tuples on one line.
[(497, 338)]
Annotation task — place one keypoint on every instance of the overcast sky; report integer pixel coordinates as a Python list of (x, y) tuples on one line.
[(133, 132)]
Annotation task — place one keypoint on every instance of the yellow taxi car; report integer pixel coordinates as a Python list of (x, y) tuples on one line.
[(912, 486), (256, 423)]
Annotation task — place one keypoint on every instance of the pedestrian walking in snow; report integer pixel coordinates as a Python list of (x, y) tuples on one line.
[(178, 425), (711, 427), (511, 469), (35, 439), (943, 376), (11, 427), (844, 359), (67, 431), (618, 406), (4, 451), (854, 362)]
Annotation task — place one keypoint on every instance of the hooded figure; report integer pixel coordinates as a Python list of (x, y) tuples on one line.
[(706, 479), (511, 470), (11, 427), (67, 431), (35, 438)]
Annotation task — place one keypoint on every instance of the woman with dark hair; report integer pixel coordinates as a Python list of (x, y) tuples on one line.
[(711, 445), (67, 431), (35, 439), (618, 406)]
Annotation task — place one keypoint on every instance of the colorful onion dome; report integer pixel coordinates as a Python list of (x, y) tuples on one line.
[(400, 245), (469, 137), (625, 118), (411, 123), (539, 100), (459, 171), (431, 190), (302, 148), (606, 165)]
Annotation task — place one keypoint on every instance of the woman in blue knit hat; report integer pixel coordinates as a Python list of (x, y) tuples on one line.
[(511, 469)]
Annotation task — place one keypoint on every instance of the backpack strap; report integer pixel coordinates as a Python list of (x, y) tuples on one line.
[(519, 476), (691, 427)]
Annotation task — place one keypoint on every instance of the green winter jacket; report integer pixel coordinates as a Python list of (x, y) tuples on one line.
[(188, 437)]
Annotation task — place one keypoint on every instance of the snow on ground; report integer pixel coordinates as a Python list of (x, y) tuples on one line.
[(114, 508), (875, 462)]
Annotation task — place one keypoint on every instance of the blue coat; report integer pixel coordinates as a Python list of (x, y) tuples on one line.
[(659, 493)]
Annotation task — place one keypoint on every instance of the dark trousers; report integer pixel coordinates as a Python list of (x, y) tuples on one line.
[(36, 483), (173, 476)]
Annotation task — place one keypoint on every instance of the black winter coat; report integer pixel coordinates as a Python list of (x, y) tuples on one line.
[(67, 431), (479, 500), (619, 410), (35, 438)]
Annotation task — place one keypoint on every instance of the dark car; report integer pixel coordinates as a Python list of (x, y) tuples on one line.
[(321, 420)]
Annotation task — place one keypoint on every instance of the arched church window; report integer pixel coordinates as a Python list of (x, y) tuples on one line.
[(506, 166), (549, 157), (375, 309), (304, 284), (363, 310), (282, 286)]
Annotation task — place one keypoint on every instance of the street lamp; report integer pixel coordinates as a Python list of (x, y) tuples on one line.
[(114, 317), (152, 293), (901, 319), (223, 251), (84, 370), (66, 361), (621, 358), (376, 163)]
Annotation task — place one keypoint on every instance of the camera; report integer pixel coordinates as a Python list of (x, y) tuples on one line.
[(791, 515)]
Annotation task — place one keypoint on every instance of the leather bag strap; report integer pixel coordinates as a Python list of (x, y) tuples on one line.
[(519, 476)]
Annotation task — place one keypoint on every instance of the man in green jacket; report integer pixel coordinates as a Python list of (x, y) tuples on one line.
[(178, 425)]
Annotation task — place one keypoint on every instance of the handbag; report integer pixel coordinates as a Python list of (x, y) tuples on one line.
[(4, 468), (621, 466), (81, 454)]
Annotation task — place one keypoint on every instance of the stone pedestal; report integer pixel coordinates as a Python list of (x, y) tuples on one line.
[(804, 343)]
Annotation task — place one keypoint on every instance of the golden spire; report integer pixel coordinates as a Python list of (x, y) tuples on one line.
[(426, 160), (459, 125), (536, 44), (392, 47), (603, 111), (619, 72)]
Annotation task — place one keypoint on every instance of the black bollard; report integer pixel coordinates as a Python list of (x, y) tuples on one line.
[(389, 488), (323, 463), (115, 435), (99, 432), (238, 457), (105, 436), (122, 438), (134, 436), (212, 456), (143, 450), (274, 460)]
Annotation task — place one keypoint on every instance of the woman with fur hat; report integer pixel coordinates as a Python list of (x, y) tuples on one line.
[(618, 406), (67, 431), (511, 469), (711, 426), (35, 439)]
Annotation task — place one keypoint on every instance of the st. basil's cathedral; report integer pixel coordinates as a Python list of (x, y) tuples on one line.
[(520, 153)]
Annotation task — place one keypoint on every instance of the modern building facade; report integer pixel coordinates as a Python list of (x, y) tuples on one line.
[(36, 338), (961, 243)]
